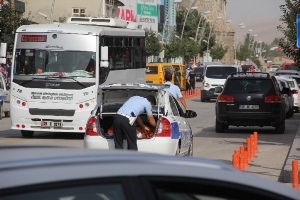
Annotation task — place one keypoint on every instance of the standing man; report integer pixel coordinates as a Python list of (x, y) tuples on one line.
[(192, 81), (187, 72), (192, 63), (174, 90), (177, 78), (124, 124)]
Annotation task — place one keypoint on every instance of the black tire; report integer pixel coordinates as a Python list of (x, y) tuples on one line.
[(1, 108), (202, 99), (280, 127), (7, 114), (27, 134), (191, 148), (177, 153), (220, 128)]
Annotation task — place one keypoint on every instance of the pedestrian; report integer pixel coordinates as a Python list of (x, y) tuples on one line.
[(3, 70), (187, 71), (174, 90), (8, 72), (192, 63), (191, 81), (177, 78), (128, 116)]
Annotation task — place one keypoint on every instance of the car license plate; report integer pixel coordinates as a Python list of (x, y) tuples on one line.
[(51, 124), (255, 107)]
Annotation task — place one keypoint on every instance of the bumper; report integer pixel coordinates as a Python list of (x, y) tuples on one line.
[(22, 120), (248, 119), (208, 94), (165, 146)]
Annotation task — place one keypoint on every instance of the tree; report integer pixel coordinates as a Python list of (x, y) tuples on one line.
[(10, 20), (153, 46), (288, 28), (218, 52)]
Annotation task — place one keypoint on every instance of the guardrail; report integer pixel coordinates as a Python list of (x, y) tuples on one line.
[(189, 94)]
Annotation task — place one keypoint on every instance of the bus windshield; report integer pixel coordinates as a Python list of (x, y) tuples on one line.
[(55, 63)]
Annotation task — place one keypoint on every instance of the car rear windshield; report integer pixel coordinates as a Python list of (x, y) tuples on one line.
[(291, 67), (249, 86), (221, 72)]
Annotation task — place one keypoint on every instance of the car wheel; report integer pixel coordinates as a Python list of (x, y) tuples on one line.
[(7, 114), (1, 108), (27, 134), (279, 128), (220, 128), (191, 148), (178, 150)]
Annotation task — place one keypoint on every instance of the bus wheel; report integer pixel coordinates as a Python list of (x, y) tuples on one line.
[(27, 134)]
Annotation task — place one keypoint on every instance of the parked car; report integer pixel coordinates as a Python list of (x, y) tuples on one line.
[(289, 99), (65, 173), (4, 97), (173, 134), (295, 90), (286, 72), (199, 73), (273, 68), (250, 99)]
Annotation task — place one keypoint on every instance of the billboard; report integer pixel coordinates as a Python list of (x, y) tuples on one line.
[(140, 11)]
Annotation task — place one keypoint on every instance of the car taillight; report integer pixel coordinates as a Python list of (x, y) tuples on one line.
[(225, 98), (164, 129), (296, 92), (91, 127), (272, 99)]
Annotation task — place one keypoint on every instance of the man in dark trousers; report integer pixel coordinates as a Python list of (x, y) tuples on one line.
[(124, 124)]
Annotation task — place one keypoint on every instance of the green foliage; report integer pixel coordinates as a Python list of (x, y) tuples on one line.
[(243, 53), (153, 46), (218, 52), (288, 28), (172, 49), (10, 20)]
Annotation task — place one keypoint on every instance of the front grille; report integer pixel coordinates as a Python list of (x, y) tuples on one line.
[(52, 112)]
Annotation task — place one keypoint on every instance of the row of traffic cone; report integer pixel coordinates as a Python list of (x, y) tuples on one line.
[(189, 94), (242, 157)]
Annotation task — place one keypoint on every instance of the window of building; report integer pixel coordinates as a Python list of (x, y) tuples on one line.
[(78, 12)]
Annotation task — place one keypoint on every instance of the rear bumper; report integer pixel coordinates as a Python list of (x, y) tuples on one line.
[(250, 119), (161, 145)]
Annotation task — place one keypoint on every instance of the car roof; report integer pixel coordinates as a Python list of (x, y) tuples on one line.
[(27, 165)]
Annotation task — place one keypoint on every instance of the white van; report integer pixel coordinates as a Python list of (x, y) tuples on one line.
[(215, 75)]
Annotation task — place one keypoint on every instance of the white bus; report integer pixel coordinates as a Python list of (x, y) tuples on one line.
[(57, 68)]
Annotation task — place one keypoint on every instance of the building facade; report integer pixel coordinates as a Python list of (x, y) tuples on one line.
[(217, 18)]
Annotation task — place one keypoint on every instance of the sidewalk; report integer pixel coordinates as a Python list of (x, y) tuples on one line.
[(294, 154)]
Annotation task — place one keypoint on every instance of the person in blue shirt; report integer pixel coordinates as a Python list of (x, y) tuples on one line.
[(174, 90), (128, 116)]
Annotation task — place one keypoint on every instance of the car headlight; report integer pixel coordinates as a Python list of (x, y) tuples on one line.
[(205, 84)]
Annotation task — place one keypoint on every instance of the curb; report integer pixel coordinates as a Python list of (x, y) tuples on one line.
[(294, 154)]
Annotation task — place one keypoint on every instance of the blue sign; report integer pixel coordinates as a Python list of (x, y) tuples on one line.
[(298, 30)]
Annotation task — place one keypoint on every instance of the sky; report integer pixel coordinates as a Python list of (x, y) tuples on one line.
[(249, 10), (262, 16)]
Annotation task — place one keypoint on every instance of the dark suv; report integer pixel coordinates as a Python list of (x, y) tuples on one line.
[(250, 99)]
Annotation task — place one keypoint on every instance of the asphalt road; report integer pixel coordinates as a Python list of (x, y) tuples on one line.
[(269, 163)]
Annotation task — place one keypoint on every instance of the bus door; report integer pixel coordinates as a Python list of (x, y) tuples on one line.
[(182, 75)]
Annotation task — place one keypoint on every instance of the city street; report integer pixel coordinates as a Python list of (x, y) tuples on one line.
[(269, 162)]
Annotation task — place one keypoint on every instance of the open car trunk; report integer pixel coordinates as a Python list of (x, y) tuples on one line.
[(113, 98)]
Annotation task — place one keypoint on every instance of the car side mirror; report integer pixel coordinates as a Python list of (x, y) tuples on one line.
[(190, 114), (294, 91)]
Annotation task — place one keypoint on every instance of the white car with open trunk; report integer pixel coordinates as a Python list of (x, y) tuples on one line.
[(172, 135)]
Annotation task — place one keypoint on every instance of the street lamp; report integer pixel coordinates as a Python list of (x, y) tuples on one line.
[(45, 16), (191, 8), (198, 27), (209, 35)]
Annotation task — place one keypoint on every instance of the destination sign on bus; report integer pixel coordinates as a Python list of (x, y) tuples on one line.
[(34, 38)]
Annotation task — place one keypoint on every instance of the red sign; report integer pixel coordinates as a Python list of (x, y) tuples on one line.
[(34, 38), (126, 14)]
